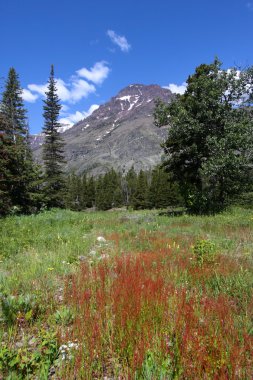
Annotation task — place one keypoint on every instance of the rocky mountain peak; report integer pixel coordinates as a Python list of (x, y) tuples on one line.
[(131, 100), (119, 134)]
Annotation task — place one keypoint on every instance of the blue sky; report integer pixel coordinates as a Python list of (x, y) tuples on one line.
[(99, 47)]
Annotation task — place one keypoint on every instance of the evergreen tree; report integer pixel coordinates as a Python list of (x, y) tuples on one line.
[(118, 198), (163, 191), (140, 197), (73, 197), (101, 201), (91, 192), (112, 186), (13, 109), (6, 162), (108, 191), (53, 147), (84, 192), (22, 177), (129, 186)]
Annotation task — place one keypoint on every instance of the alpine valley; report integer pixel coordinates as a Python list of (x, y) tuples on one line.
[(119, 134)]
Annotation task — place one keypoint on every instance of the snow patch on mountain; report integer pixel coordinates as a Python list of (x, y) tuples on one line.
[(64, 127)]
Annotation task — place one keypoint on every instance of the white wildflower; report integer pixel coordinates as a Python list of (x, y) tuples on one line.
[(101, 239)]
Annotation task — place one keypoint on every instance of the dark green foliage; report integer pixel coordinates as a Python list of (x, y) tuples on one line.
[(91, 192), (84, 192), (130, 184), (73, 198), (13, 109), (209, 145), (118, 198), (163, 192), (112, 190), (108, 191), (6, 162), (101, 202), (80, 192), (18, 181), (140, 196), (245, 200), (53, 147)]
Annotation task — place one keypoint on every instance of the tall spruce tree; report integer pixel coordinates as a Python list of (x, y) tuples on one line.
[(13, 109), (53, 147), (15, 149)]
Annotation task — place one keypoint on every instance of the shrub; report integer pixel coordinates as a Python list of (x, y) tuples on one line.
[(21, 363), (20, 309), (64, 316), (204, 251)]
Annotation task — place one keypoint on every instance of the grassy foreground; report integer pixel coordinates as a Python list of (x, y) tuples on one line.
[(126, 295)]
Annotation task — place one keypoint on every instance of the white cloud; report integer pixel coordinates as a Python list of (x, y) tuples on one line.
[(80, 89), (120, 41), (38, 88), (177, 89), (68, 92), (73, 118), (97, 74), (92, 108), (64, 108), (28, 96), (62, 90)]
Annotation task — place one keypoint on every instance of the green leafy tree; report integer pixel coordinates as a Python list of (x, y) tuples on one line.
[(53, 147), (209, 144)]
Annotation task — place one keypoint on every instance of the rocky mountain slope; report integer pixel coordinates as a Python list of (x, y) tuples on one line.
[(119, 134)]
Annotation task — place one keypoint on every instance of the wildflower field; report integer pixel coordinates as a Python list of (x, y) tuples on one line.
[(126, 295)]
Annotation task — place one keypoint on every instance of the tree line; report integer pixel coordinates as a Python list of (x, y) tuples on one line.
[(143, 190), (207, 162)]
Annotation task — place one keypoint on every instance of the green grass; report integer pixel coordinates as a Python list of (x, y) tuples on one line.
[(40, 254)]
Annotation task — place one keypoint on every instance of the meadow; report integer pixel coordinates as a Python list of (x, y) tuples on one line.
[(126, 295)]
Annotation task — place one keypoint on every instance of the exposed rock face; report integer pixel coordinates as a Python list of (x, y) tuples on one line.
[(119, 134), (36, 141)]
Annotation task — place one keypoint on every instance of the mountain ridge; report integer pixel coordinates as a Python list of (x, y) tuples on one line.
[(119, 134)]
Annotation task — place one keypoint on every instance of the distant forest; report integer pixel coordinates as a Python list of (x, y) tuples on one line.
[(143, 190)]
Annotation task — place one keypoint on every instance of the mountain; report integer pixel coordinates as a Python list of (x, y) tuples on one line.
[(119, 134)]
